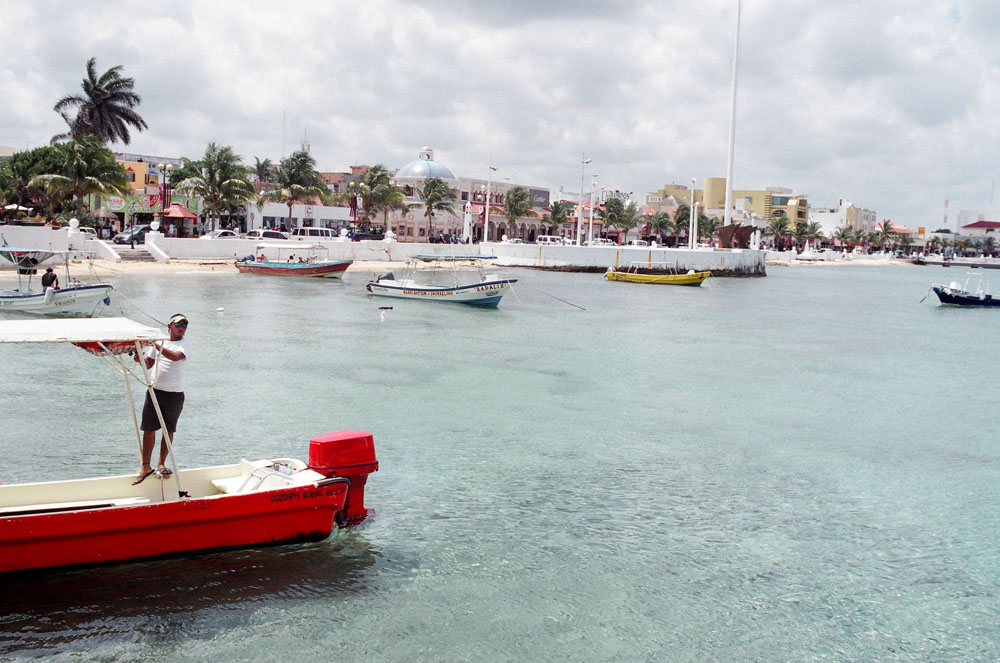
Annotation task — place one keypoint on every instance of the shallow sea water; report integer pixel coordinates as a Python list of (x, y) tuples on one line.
[(802, 467)]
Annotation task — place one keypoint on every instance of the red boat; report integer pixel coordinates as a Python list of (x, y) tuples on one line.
[(281, 260), (102, 520)]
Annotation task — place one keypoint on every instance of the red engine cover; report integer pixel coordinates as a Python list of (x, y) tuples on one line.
[(346, 453)]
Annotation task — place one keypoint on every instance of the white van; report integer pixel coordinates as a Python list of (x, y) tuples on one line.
[(549, 239), (314, 233)]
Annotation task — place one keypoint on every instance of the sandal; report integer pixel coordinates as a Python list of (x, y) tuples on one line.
[(165, 471), (142, 477)]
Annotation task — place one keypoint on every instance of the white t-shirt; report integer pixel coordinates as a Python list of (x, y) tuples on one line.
[(169, 375)]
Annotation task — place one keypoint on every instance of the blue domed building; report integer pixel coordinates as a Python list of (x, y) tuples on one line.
[(411, 225), (425, 166)]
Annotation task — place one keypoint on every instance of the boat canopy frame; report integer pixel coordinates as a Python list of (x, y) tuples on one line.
[(115, 340)]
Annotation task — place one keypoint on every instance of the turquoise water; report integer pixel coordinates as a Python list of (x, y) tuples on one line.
[(797, 468)]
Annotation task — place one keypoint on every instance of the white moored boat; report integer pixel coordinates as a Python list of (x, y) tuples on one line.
[(73, 298), (460, 279)]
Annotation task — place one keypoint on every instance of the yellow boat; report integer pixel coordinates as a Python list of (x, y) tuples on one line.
[(634, 276)]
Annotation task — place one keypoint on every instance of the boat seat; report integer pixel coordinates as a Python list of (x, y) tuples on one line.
[(260, 478), (55, 507)]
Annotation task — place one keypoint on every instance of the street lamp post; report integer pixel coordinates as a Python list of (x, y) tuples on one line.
[(590, 230), (691, 219), (579, 215), (489, 183), (164, 171)]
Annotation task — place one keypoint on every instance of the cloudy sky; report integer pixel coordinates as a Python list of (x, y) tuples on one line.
[(892, 104)]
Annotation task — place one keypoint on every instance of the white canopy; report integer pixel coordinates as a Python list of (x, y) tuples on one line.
[(78, 331)]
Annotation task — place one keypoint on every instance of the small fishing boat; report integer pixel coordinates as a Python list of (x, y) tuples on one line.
[(74, 298), (109, 519), (658, 273), (957, 294), (293, 260), (459, 279)]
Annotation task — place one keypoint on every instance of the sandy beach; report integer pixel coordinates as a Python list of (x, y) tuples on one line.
[(109, 269)]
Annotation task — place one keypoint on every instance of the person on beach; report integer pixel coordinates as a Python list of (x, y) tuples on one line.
[(168, 358), (50, 279)]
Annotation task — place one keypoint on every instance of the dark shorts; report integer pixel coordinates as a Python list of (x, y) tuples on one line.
[(171, 403)]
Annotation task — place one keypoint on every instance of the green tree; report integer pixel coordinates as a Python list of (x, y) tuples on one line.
[(262, 171), (884, 233), (558, 213), (222, 181), (844, 235), (84, 167), (779, 228), (17, 172), (380, 194), (708, 226), (436, 197), (662, 225), (105, 110), (682, 222), (617, 214), (516, 204), (297, 182)]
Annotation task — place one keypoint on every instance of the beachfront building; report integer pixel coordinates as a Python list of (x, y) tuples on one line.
[(844, 215), (411, 225), (756, 206), (978, 229), (968, 218)]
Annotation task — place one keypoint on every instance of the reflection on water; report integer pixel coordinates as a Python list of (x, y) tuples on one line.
[(196, 596)]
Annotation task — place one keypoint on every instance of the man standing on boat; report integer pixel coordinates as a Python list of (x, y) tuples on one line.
[(167, 360)]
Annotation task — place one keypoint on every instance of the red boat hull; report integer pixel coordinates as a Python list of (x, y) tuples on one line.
[(119, 534), (324, 269)]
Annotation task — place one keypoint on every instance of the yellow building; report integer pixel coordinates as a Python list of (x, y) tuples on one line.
[(767, 203)]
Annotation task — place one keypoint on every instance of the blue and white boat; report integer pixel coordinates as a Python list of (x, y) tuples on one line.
[(458, 279), (74, 298)]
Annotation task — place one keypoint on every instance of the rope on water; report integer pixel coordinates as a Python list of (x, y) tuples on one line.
[(139, 309), (561, 300)]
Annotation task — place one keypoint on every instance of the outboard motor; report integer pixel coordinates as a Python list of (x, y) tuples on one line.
[(349, 454)]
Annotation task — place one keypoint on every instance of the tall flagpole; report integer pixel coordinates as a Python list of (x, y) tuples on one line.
[(728, 217)]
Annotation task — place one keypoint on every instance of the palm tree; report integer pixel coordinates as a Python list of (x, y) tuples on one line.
[(85, 167), (779, 228), (990, 245), (814, 231), (558, 213), (884, 232), (708, 226), (380, 194), (297, 182), (843, 234), (436, 197), (517, 203), (106, 109), (662, 225), (222, 182), (682, 222), (617, 214), (262, 170)]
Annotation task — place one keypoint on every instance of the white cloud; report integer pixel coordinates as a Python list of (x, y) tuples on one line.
[(890, 104)]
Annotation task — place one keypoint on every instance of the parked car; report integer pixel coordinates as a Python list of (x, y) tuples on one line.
[(601, 241), (638, 242), (314, 233), (220, 234), (135, 234), (549, 239), (265, 234)]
